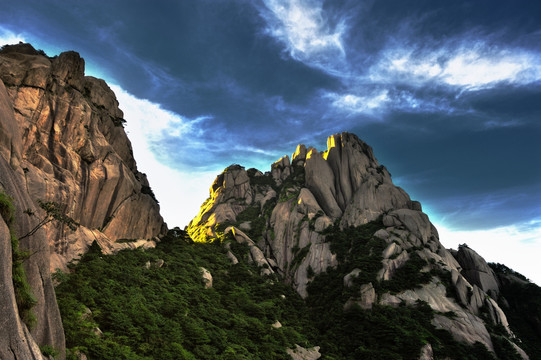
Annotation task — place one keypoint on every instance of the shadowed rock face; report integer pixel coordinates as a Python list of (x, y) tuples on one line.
[(476, 270), (74, 151), (285, 211)]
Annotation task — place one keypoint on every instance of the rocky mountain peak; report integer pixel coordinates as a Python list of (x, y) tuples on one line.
[(69, 69), (337, 210)]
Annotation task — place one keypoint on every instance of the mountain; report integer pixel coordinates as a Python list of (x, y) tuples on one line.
[(321, 257), (332, 222), (74, 151), (63, 148)]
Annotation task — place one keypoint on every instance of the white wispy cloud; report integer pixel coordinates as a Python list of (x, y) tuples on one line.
[(167, 147), (8, 37), (516, 246), (354, 104), (151, 118), (469, 65), (180, 190), (304, 29), (464, 63)]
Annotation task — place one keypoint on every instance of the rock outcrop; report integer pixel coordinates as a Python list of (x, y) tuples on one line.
[(206, 277), (288, 213), (17, 341), (61, 140), (74, 151), (300, 353), (476, 270)]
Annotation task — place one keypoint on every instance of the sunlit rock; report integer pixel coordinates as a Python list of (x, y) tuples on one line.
[(291, 209), (74, 150)]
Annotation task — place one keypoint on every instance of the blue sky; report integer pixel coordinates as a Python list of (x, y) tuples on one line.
[(448, 93)]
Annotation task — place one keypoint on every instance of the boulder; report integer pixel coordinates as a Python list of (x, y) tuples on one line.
[(426, 353), (366, 299), (348, 279), (300, 353), (206, 276)]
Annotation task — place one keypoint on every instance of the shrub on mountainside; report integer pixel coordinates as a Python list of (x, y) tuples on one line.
[(167, 313), (24, 297)]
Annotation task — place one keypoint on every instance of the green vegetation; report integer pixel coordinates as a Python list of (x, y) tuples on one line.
[(23, 293), (521, 301), (148, 191), (291, 186), (263, 180), (250, 214), (408, 276), (299, 255), (49, 351), (53, 212), (166, 313), (383, 332), (126, 241)]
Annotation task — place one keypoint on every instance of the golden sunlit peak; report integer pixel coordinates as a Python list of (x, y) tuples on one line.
[(300, 153), (282, 162), (334, 140), (311, 152), (331, 141)]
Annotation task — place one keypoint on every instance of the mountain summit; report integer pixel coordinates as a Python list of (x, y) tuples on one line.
[(337, 212)]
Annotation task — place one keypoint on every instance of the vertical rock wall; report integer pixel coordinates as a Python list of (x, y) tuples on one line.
[(16, 341), (74, 151)]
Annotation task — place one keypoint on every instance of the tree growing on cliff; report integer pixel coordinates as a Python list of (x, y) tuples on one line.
[(53, 212)]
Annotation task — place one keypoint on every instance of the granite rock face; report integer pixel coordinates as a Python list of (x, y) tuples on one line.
[(74, 151), (476, 270), (62, 140), (284, 214), (16, 340)]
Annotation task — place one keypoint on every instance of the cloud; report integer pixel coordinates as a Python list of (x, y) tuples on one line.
[(306, 32), (151, 117), (354, 104), (203, 143), (517, 246), (180, 190), (470, 65), (8, 37), (150, 124)]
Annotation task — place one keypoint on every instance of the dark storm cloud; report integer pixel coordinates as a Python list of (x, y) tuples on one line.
[(445, 91)]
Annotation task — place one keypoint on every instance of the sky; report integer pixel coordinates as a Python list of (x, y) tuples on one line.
[(448, 94)]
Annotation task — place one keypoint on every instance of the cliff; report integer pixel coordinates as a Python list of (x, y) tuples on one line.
[(17, 342), (61, 140), (338, 212), (74, 151)]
